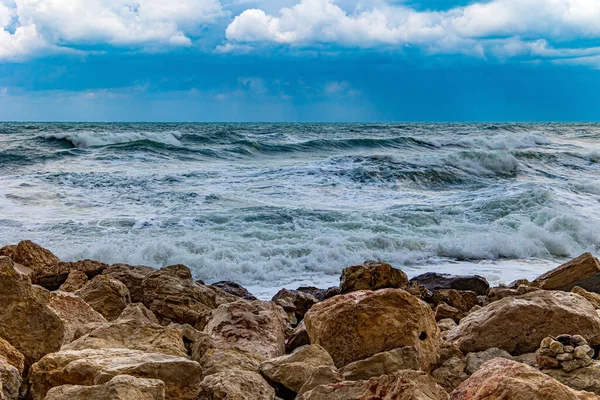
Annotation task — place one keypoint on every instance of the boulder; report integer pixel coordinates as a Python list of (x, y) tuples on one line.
[(462, 300), (301, 301), (593, 298), (12, 356), (501, 379), (525, 321), (42, 266), (446, 324), (221, 296), (197, 343), (138, 312), (405, 385), (298, 337), (131, 276), (121, 387), (89, 367), (216, 360), (321, 376), (75, 281), (77, 316), (26, 321), (10, 381), (106, 295), (235, 289), (236, 384), (90, 268), (444, 311), (586, 378), (474, 361), (385, 363), (320, 294), (434, 281), (498, 293), (583, 271), (257, 327), (172, 295), (291, 371), (360, 324), (451, 373), (372, 275)]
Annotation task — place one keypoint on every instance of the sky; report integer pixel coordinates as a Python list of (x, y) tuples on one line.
[(300, 60)]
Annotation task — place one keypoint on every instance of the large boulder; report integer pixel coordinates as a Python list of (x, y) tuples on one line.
[(501, 379), (405, 385), (474, 361), (121, 387), (77, 316), (106, 295), (301, 302), (40, 264), (26, 321), (586, 378), (525, 321), (372, 275), (138, 312), (89, 367), (172, 295), (385, 363), (216, 360), (583, 271), (75, 281), (593, 298), (360, 324), (434, 281), (257, 327), (235, 289), (131, 276), (236, 384)]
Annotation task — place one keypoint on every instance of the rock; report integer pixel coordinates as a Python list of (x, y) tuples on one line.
[(121, 387), (173, 296), (525, 321), (419, 291), (216, 360), (301, 301), (405, 385), (499, 293), (89, 367), (291, 371), (547, 362), (444, 311), (234, 385), (434, 281), (385, 363), (593, 298), (501, 379), (519, 282), (572, 365), (474, 361), (360, 324), (44, 266), (565, 357), (89, 267), (254, 326), (372, 275), (106, 295), (446, 324), (583, 271), (131, 276), (586, 378), (235, 289), (197, 343), (320, 294), (76, 315), (138, 312), (528, 359), (299, 337), (10, 381), (582, 351), (75, 281), (462, 300), (26, 321), (321, 376), (450, 374), (221, 296), (449, 350)]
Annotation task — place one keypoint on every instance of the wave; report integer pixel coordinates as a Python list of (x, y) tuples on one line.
[(87, 139)]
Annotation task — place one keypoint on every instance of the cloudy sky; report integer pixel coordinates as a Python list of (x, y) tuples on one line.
[(300, 60)]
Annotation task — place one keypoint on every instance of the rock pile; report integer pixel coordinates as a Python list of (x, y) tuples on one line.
[(568, 352)]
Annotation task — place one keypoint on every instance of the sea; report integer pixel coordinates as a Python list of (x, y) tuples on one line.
[(284, 205)]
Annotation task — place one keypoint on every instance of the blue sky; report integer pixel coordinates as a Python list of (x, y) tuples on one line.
[(300, 60)]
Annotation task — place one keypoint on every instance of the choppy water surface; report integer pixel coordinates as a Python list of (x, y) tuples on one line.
[(275, 204)]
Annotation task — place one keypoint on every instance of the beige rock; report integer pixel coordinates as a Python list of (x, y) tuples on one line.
[(44, 266), (321, 376), (12, 356), (525, 321), (236, 385), (462, 300), (583, 271), (444, 311), (10, 381), (138, 312), (301, 301), (586, 378), (293, 370), (499, 293), (121, 387), (75, 281), (372, 275), (385, 363), (593, 298), (106, 295), (216, 360), (131, 276), (89, 267), (451, 373), (254, 326), (405, 385), (298, 337), (446, 324), (474, 361), (89, 367), (221, 296), (76, 315), (360, 324)]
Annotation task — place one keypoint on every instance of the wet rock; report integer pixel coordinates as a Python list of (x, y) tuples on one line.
[(301, 301), (235, 289), (320, 294), (384, 363), (298, 337), (583, 271), (216, 360), (76, 315), (525, 321), (474, 361), (236, 384), (360, 324), (434, 281), (372, 275), (593, 298), (106, 295), (321, 376), (121, 387), (131, 276), (75, 281), (10, 381)]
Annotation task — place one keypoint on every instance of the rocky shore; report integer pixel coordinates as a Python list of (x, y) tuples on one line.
[(88, 330)]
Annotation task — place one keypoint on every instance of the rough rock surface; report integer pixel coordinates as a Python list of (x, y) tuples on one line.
[(474, 361), (44, 268), (501, 379), (91, 367), (121, 387), (498, 293), (77, 315), (372, 275), (360, 324), (131, 276), (216, 360), (583, 271), (75, 281), (321, 294), (235, 289), (12, 356), (385, 363), (451, 373), (434, 281), (106, 295), (593, 298), (301, 301), (236, 384), (137, 312), (462, 300), (568, 352), (586, 378), (298, 337), (405, 385), (257, 327), (10, 381), (525, 321)]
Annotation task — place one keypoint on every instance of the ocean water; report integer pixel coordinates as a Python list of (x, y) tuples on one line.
[(273, 205)]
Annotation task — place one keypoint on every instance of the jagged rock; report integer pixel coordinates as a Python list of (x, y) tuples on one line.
[(499, 293), (196, 343), (293, 370), (321, 376), (462, 300), (10, 381), (385, 363), (444, 311), (44, 268), (298, 337), (257, 327), (446, 324), (172, 295), (525, 321), (121, 387), (449, 350), (593, 298), (138, 312), (75, 281), (301, 301), (76, 315), (236, 384), (320, 294), (405, 385), (501, 379), (528, 359), (360, 324), (419, 291), (131, 276), (235, 289), (216, 360), (434, 281), (583, 271), (474, 361), (221, 296), (519, 282), (26, 321), (450, 374), (89, 367), (586, 378), (106, 295), (12, 356), (372, 275)]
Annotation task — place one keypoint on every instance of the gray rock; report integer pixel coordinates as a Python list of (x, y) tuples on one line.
[(476, 360)]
